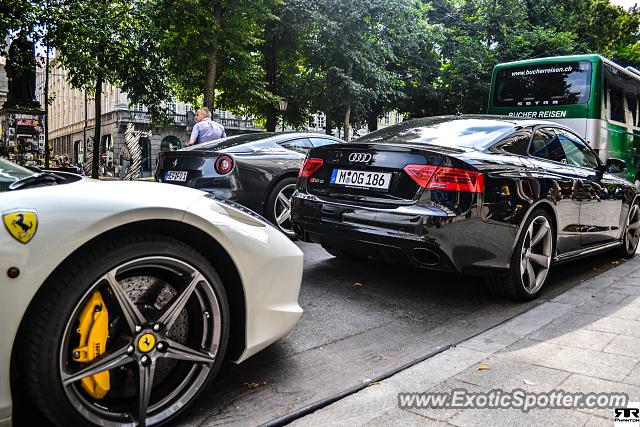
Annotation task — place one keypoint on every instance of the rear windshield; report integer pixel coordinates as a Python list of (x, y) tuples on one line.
[(443, 131), (232, 141), (566, 83)]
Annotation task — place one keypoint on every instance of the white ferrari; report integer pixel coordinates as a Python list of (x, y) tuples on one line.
[(119, 300)]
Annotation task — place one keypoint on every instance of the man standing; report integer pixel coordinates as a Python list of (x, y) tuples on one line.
[(125, 161), (205, 129)]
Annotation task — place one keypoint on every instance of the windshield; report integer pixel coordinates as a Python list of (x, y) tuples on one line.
[(449, 131), (543, 85), (10, 173)]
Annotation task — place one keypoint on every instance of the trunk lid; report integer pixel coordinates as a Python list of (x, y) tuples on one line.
[(352, 172)]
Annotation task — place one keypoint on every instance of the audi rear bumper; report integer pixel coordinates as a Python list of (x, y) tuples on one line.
[(426, 236)]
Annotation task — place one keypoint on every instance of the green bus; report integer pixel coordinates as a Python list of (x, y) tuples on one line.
[(590, 94)]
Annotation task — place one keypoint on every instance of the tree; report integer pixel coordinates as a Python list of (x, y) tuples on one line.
[(352, 48), (284, 30), (212, 49), (110, 41)]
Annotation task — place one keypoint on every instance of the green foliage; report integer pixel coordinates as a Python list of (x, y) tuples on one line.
[(353, 60), (213, 44)]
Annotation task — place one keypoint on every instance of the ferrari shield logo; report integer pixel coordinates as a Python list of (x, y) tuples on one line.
[(21, 224)]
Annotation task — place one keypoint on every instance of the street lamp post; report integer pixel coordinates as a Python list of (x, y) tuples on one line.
[(282, 106)]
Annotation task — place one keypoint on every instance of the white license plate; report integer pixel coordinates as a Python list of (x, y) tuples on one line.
[(365, 179), (176, 176)]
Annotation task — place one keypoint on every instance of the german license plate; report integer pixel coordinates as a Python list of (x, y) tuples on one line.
[(365, 179), (175, 176)]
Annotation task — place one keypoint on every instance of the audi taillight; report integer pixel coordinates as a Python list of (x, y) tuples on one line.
[(446, 178), (310, 166), (223, 165)]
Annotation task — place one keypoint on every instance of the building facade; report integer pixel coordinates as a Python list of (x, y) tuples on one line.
[(71, 124), (317, 123)]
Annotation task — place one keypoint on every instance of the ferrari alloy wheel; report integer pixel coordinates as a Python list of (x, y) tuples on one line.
[(279, 206), (530, 262), (631, 235), (138, 343)]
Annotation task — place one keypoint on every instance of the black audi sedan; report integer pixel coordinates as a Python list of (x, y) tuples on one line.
[(501, 197), (258, 171)]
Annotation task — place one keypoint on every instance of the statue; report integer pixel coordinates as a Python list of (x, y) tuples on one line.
[(21, 72)]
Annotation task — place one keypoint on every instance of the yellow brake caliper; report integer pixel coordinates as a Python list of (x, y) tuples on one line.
[(93, 331)]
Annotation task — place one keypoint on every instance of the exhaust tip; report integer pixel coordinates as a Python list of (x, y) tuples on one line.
[(426, 257)]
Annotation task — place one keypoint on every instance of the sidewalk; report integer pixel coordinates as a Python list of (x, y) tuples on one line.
[(585, 340)]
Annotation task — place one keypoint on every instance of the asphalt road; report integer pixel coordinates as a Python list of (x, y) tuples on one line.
[(361, 320)]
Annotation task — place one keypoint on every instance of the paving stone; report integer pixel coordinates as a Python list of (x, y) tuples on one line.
[(630, 281), (399, 417), (583, 361), (580, 338), (515, 417), (626, 289), (622, 269), (584, 384), (616, 326), (375, 401), (596, 421), (437, 369), (514, 329), (624, 345), (617, 305), (443, 414), (510, 375), (634, 376), (585, 290)]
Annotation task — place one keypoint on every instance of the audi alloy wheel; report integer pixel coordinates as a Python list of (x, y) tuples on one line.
[(530, 262)]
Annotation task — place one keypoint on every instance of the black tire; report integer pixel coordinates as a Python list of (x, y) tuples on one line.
[(630, 237), (274, 206), (344, 255), (512, 284), (52, 320)]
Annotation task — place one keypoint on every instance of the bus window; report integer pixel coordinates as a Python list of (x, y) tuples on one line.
[(543, 85), (632, 105), (616, 104)]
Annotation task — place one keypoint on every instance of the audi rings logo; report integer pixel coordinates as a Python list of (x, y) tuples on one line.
[(360, 157)]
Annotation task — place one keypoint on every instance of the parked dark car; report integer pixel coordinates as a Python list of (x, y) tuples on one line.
[(501, 197), (258, 171)]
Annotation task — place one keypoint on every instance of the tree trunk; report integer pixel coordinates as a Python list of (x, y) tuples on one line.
[(271, 69), (210, 85), (95, 162), (372, 118), (347, 117), (47, 153), (327, 123), (212, 65)]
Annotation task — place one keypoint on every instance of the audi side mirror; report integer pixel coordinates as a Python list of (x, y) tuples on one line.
[(615, 165)]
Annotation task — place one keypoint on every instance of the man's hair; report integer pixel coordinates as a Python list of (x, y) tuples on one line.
[(206, 111)]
